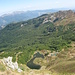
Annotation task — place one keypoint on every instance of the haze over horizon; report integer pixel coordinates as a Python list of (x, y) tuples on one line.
[(9, 6)]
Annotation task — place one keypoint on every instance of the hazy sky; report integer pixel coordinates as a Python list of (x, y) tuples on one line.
[(17, 5)]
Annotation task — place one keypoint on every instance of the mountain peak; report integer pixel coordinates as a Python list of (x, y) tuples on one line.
[(60, 17)]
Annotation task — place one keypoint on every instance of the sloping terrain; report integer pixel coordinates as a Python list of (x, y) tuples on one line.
[(61, 17), (35, 34), (64, 62), (47, 34), (21, 16)]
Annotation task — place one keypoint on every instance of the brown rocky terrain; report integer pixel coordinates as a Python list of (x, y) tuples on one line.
[(61, 17)]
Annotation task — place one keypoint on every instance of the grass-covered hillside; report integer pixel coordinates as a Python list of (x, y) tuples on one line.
[(41, 33)]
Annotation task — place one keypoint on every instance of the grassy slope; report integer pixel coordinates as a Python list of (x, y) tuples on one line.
[(64, 62), (34, 35)]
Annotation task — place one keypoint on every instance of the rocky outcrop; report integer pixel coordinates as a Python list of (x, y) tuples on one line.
[(60, 18), (13, 65)]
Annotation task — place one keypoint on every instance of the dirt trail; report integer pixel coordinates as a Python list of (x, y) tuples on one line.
[(18, 55)]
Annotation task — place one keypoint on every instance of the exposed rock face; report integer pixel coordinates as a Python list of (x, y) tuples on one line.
[(21, 25), (60, 18), (8, 62)]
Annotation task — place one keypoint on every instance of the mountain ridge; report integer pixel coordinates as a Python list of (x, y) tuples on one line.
[(61, 17), (46, 35), (35, 34), (21, 16)]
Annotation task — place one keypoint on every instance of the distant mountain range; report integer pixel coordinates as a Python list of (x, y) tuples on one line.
[(21, 16)]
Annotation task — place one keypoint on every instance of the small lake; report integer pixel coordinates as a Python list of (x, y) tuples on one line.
[(32, 65)]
